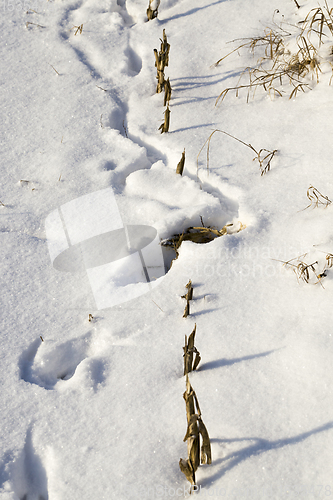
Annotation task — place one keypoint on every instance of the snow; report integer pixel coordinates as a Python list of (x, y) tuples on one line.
[(91, 363)]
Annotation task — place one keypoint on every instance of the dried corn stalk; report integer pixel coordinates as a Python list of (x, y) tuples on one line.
[(188, 296), (161, 61), (187, 309), (165, 49), (167, 92), (186, 468), (180, 166), (189, 287), (195, 428), (206, 453), (201, 235), (189, 351), (164, 127), (152, 10), (159, 64), (193, 442)]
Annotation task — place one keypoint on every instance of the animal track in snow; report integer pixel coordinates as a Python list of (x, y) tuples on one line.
[(103, 56), (45, 364), (134, 61), (135, 149), (122, 9), (105, 62), (28, 476)]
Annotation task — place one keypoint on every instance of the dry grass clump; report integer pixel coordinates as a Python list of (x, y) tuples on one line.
[(263, 156), (309, 273), (289, 55), (316, 198)]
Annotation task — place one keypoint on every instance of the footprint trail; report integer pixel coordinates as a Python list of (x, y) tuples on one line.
[(28, 475)]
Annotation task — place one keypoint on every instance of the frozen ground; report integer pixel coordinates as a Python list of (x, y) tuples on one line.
[(94, 409)]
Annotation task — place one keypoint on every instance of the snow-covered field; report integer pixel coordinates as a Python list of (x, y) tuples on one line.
[(92, 387)]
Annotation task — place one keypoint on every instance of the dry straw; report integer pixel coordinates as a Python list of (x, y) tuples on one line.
[(28, 24), (309, 273), (279, 64), (78, 29), (263, 156), (316, 198)]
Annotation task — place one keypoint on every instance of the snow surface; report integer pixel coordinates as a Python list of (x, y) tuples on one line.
[(95, 409)]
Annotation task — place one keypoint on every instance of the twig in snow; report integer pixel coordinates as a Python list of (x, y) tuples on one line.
[(55, 70)]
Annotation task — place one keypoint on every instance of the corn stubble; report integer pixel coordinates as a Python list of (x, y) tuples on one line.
[(161, 61), (196, 432), (181, 164), (152, 11), (188, 296), (164, 127), (195, 429), (279, 65), (191, 363), (167, 91)]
